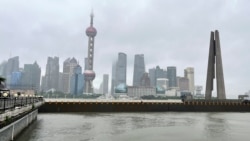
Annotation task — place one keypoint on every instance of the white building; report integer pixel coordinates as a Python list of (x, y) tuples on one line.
[(138, 91), (189, 73), (162, 82)]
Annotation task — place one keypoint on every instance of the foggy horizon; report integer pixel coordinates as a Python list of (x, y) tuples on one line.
[(168, 33)]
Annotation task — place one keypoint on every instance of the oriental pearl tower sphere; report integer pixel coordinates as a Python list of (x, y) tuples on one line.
[(89, 74)]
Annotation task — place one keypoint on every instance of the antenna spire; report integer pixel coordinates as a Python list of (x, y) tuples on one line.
[(91, 17)]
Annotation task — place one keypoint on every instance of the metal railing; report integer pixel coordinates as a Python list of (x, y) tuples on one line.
[(7, 103)]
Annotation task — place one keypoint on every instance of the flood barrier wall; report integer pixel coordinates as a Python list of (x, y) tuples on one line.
[(192, 106)]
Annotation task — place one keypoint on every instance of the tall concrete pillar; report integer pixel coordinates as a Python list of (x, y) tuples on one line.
[(215, 68)]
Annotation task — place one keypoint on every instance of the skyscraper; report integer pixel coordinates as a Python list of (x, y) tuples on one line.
[(31, 76), (89, 74), (139, 69), (12, 65), (52, 73), (3, 67), (113, 79), (171, 75), (183, 84), (15, 80), (105, 83), (145, 80), (119, 71), (215, 68), (68, 70), (152, 77), (77, 81), (156, 73), (189, 74)]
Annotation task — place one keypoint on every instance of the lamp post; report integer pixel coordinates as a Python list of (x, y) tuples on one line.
[(26, 97), (4, 97), (29, 98), (22, 99), (15, 97)]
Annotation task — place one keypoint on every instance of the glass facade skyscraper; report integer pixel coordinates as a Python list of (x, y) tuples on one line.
[(139, 69), (77, 81), (32, 76), (52, 73), (156, 73), (171, 75), (68, 70), (105, 83), (119, 71)]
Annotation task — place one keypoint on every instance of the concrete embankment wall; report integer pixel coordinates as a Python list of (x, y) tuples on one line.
[(9, 132), (144, 107)]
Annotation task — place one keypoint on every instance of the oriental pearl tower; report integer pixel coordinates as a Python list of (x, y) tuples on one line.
[(89, 74)]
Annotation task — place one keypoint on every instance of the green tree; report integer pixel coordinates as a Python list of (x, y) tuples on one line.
[(2, 80)]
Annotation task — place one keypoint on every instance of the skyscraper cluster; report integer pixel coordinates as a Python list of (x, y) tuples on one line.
[(70, 81), (26, 78), (74, 80), (158, 78)]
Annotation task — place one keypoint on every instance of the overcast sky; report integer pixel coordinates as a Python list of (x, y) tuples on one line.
[(168, 33)]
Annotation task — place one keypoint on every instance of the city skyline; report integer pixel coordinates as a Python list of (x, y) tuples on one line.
[(166, 36)]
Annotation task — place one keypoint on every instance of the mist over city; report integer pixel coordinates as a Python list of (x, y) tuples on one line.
[(167, 33), (101, 70)]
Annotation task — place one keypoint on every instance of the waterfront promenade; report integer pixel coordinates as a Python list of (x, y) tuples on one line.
[(16, 113)]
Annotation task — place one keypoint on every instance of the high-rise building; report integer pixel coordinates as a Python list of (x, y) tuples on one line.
[(105, 83), (77, 81), (31, 76), (139, 69), (101, 88), (89, 74), (171, 75), (15, 80), (60, 82), (189, 74), (215, 68), (156, 73), (43, 84), (68, 69), (3, 67), (183, 84), (119, 71), (152, 77), (52, 73), (12, 65), (113, 79), (145, 80)]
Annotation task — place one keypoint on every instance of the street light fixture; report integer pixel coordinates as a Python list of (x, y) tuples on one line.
[(22, 99), (15, 97), (4, 99)]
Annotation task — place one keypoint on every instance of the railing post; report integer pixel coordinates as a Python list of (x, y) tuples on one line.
[(21, 99), (3, 104), (14, 102)]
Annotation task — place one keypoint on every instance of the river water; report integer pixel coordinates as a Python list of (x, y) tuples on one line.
[(162, 126)]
